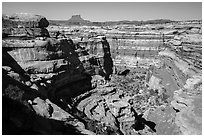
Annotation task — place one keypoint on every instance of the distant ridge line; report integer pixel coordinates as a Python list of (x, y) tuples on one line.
[(78, 20)]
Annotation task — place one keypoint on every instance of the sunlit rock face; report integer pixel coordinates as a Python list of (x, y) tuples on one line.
[(56, 76), (171, 53)]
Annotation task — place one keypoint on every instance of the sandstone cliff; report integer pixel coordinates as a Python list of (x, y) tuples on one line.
[(53, 78)]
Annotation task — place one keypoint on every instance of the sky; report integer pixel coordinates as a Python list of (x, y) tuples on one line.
[(108, 11)]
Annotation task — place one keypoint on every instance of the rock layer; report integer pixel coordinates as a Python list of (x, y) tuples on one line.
[(59, 80)]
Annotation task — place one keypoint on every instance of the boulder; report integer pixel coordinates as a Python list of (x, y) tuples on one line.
[(42, 108)]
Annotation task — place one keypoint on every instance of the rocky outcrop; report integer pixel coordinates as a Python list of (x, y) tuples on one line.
[(25, 111), (187, 102), (187, 44), (168, 54), (112, 108), (48, 61), (24, 20), (46, 58), (24, 25), (47, 73), (152, 81), (126, 104), (35, 68)]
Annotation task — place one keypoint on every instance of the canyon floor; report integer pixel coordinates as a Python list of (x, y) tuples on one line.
[(53, 78)]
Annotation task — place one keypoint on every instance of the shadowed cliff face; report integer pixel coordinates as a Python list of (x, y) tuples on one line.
[(35, 67), (125, 79), (39, 70)]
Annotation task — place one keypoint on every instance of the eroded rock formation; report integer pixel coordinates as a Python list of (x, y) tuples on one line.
[(55, 78)]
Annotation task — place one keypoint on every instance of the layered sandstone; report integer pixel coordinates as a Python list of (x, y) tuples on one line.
[(58, 75)]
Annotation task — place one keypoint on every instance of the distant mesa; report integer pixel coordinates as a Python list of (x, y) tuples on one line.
[(76, 19)]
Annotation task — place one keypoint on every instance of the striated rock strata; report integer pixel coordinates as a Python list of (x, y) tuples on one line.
[(55, 78)]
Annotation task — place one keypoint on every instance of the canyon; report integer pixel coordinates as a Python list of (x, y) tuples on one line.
[(54, 77)]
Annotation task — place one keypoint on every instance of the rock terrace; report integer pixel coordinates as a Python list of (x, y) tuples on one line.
[(110, 80)]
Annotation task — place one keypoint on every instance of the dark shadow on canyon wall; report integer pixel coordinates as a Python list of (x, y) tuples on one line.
[(141, 122), (18, 116), (18, 119), (108, 62), (73, 80)]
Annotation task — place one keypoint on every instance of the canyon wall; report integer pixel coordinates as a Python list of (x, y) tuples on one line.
[(53, 78)]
